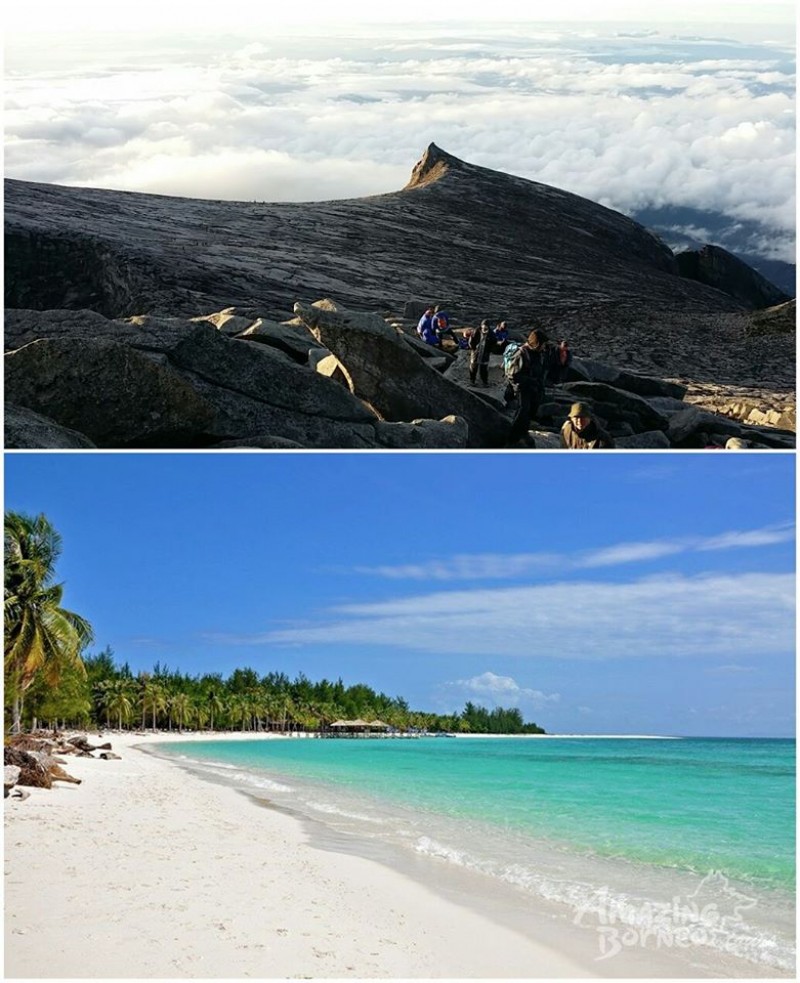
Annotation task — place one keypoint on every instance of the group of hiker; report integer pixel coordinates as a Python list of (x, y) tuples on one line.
[(528, 367)]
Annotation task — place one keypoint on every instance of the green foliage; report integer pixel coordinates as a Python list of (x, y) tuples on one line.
[(44, 661), (168, 699), (42, 639)]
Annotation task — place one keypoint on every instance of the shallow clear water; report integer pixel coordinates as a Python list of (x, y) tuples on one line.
[(591, 823)]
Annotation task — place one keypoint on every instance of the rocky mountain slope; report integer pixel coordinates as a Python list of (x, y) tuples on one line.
[(120, 287)]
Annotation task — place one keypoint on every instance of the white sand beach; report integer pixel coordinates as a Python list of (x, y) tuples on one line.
[(146, 870)]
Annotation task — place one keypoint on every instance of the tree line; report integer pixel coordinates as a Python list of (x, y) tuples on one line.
[(52, 681)]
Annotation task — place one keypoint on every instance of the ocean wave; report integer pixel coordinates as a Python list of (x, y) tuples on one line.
[(336, 811), (259, 781), (633, 920), (235, 773)]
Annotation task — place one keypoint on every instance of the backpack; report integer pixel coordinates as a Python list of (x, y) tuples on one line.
[(511, 361)]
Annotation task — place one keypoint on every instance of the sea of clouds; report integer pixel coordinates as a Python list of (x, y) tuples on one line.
[(632, 120)]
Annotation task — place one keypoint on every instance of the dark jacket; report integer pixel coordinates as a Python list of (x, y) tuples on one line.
[(481, 344), (530, 367), (592, 438)]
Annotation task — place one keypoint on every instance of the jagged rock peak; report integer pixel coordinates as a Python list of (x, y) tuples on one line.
[(432, 166)]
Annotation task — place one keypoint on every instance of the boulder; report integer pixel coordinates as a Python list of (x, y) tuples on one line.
[(588, 370), (617, 403), (256, 392), (667, 404), (21, 327), (424, 349), (25, 429), (294, 341), (651, 440), (240, 417), (148, 333), (227, 321), (109, 756), (450, 433), (393, 379), (110, 392), (545, 440), (683, 424), (257, 372), (331, 367)]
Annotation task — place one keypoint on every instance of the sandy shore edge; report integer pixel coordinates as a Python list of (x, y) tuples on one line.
[(147, 871)]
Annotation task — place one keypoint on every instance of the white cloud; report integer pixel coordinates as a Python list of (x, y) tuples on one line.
[(503, 691), (748, 615), (507, 566), (629, 123), (630, 553)]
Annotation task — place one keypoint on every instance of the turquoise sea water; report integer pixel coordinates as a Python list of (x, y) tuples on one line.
[(571, 820)]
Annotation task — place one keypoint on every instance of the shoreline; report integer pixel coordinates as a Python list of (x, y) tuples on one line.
[(145, 871), (199, 858)]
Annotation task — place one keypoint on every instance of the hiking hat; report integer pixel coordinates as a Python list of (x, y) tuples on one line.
[(579, 409)]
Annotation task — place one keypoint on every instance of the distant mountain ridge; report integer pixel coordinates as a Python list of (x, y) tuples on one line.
[(684, 228)]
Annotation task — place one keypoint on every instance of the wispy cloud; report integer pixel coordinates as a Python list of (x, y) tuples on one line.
[(767, 536), (500, 566), (729, 670), (745, 615)]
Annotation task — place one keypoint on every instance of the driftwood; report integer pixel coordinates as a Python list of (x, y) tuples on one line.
[(37, 768), (80, 742)]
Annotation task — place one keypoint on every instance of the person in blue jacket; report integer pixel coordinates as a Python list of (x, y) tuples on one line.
[(500, 336), (426, 330)]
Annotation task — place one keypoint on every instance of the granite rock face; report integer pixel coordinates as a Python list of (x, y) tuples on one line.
[(514, 244), (117, 287), (26, 429)]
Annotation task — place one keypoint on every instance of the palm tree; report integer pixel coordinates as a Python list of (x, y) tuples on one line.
[(41, 637), (215, 706), (181, 709), (115, 697), (153, 698)]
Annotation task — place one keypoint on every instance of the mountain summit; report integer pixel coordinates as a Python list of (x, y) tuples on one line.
[(486, 243), (485, 240)]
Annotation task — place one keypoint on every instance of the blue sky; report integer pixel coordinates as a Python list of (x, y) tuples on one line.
[(600, 593)]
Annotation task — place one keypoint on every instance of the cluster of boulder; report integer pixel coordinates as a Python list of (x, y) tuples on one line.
[(36, 761), (327, 378)]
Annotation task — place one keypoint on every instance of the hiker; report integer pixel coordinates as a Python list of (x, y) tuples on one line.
[(481, 344), (425, 328), (441, 325), (580, 432), (500, 336), (526, 370)]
